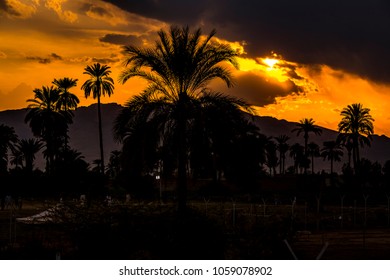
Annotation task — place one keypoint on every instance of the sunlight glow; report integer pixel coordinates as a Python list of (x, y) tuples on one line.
[(270, 62)]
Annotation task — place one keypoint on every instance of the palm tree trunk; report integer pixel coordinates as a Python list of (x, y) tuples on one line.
[(312, 164), (355, 154), (280, 162), (66, 132), (100, 136), (331, 166), (306, 141), (349, 158), (182, 155)]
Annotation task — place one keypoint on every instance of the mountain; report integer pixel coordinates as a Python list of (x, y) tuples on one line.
[(84, 134)]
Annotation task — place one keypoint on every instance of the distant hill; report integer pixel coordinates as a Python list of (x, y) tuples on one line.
[(84, 134)]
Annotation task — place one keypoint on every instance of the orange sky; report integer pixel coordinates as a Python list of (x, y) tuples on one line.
[(43, 40)]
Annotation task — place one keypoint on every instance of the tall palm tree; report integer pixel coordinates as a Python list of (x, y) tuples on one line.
[(8, 139), (67, 100), (313, 151), (47, 122), (357, 123), (282, 147), (99, 83), (332, 151), (306, 126), (178, 70)]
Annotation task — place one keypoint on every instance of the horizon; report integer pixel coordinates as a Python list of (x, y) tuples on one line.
[(282, 119)]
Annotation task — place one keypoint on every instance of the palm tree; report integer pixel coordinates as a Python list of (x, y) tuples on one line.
[(114, 164), (99, 84), (8, 139), (332, 151), (346, 141), (306, 126), (297, 153), (27, 149), (271, 157), (16, 158), (357, 123), (47, 122), (313, 151), (178, 70), (282, 147), (67, 100)]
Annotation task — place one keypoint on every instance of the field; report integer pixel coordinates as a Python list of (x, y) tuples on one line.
[(267, 229)]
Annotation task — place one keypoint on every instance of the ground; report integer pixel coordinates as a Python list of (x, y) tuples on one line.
[(210, 230)]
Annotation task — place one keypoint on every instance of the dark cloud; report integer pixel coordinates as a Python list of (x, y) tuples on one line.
[(105, 60), (89, 7), (352, 35), (45, 60), (120, 39), (55, 56), (258, 90), (5, 8)]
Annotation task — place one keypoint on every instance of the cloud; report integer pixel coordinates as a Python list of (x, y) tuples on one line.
[(45, 60), (258, 89), (18, 9), (57, 6), (99, 10), (334, 90), (120, 39), (351, 35), (2, 55)]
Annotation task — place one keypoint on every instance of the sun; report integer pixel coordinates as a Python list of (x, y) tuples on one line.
[(270, 62)]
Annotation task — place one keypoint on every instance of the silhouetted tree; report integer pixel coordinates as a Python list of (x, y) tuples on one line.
[(99, 84), (313, 151), (47, 122), (297, 153), (282, 147), (346, 141), (332, 151), (114, 164), (271, 157), (306, 126), (8, 139), (178, 70), (67, 100), (357, 123), (27, 148)]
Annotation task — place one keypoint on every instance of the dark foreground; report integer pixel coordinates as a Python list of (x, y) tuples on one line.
[(209, 230)]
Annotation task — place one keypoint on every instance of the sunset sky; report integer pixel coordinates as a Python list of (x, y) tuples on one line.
[(298, 58)]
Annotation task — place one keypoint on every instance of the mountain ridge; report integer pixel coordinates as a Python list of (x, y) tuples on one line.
[(84, 134)]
